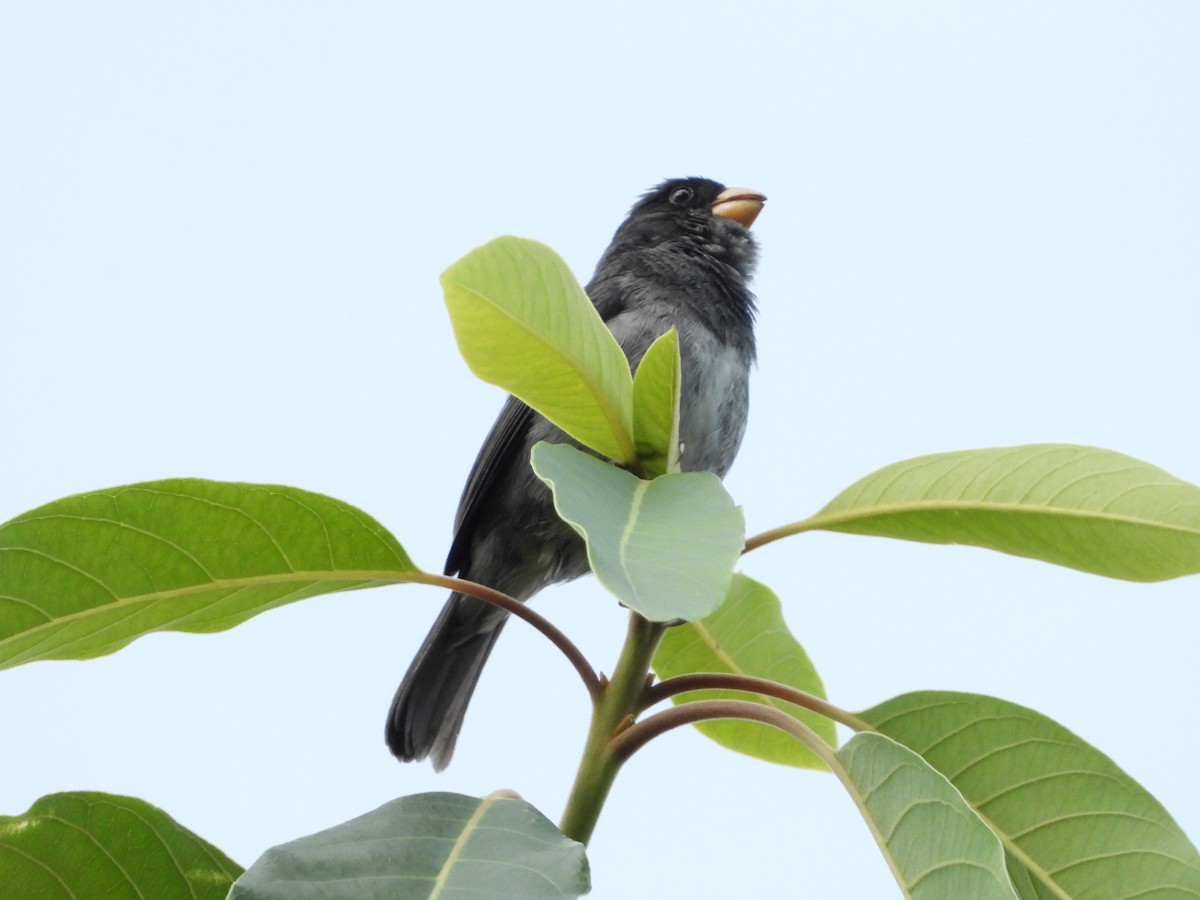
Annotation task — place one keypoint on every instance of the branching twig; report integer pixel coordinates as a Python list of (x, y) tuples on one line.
[(636, 736), (723, 681)]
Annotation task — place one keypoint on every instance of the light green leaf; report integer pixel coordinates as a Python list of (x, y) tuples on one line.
[(1073, 823), (424, 847), (937, 847), (656, 407), (666, 548), (85, 575), (747, 636), (85, 844), (523, 322), (1081, 507)]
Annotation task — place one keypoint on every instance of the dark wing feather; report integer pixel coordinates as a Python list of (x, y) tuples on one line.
[(496, 457)]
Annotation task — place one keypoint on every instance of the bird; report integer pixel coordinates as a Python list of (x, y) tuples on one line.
[(683, 257)]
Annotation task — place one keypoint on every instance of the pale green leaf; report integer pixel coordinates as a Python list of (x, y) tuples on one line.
[(85, 844), (85, 575), (666, 548), (746, 635), (523, 322), (656, 407), (1090, 509), (426, 847), (1073, 823), (936, 845)]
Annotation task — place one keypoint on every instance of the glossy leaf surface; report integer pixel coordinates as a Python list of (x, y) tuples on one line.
[(747, 635), (85, 575), (424, 847), (1082, 507), (1073, 823), (87, 844)]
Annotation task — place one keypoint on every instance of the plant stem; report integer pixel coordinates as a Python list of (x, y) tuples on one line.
[(614, 710)]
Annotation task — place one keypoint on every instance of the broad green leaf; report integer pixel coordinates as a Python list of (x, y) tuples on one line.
[(85, 844), (937, 847), (523, 322), (85, 575), (747, 636), (1081, 507), (423, 847), (666, 548), (656, 407), (1073, 823)]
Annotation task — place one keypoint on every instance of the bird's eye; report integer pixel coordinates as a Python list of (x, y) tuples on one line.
[(681, 196)]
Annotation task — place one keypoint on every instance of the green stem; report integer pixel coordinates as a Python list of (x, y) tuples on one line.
[(614, 710), (810, 524)]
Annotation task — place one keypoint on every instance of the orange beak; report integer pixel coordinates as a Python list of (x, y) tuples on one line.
[(740, 204)]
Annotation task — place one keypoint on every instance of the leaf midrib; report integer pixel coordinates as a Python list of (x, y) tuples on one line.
[(823, 520), (367, 577)]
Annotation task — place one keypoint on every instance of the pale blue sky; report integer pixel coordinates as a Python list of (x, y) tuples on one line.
[(221, 227)]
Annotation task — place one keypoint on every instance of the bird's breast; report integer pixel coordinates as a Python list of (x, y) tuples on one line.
[(714, 401)]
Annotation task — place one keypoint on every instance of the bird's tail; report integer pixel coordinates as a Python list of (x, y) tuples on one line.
[(427, 711)]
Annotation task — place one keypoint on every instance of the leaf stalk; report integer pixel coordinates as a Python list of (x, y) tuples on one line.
[(566, 646)]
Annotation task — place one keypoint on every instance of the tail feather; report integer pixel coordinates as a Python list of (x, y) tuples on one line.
[(428, 709)]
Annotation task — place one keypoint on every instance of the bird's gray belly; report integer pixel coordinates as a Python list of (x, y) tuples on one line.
[(713, 403)]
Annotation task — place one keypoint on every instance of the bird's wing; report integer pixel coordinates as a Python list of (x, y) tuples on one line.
[(496, 456)]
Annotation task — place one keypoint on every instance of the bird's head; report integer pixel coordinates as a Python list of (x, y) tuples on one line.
[(695, 214)]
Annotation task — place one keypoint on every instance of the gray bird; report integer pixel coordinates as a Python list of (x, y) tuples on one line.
[(681, 258)]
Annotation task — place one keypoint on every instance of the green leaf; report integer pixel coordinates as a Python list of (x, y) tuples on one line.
[(85, 575), (747, 636), (1081, 507), (937, 847), (87, 844), (426, 846), (656, 407), (523, 322), (1073, 823), (666, 548)]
